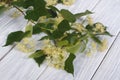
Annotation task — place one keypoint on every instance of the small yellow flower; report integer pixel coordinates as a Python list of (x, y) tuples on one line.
[(103, 46), (46, 41), (55, 56), (26, 45), (99, 28), (3, 4), (58, 19), (90, 20), (89, 53), (79, 27), (42, 19), (94, 46), (68, 2), (51, 2)]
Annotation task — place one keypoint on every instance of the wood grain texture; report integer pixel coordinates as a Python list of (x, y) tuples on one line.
[(17, 66), (8, 25), (110, 68), (108, 13)]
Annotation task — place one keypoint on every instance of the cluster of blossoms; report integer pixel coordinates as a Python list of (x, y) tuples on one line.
[(78, 27), (55, 20), (27, 45), (98, 28), (6, 3), (56, 56), (53, 2)]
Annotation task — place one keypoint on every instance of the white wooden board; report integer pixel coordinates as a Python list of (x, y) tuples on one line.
[(110, 68), (16, 66)]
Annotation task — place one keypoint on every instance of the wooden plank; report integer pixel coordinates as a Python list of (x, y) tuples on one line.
[(108, 13), (15, 66), (8, 25), (110, 68)]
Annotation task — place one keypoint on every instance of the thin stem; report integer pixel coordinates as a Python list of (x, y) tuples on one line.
[(19, 10), (42, 72), (23, 13)]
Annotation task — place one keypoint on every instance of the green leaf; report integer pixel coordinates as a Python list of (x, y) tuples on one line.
[(53, 8), (52, 13), (62, 43), (37, 28), (68, 15), (89, 28), (107, 33), (38, 56), (96, 39), (14, 37), (30, 29), (62, 27), (2, 9), (39, 60), (78, 15), (44, 37), (74, 48), (60, 1), (69, 64), (20, 3), (39, 9), (71, 38), (42, 27)]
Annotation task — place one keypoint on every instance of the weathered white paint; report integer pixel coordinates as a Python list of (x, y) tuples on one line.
[(16, 66), (110, 68)]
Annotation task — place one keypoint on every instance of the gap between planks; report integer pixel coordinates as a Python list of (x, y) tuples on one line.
[(96, 5), (105, 56)]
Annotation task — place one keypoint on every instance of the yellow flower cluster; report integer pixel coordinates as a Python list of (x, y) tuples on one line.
[(90, 20), (103, 46), (51, 2), (26, 45), (42, 19), (79, 27), (57, 20), (55, 56), (99, 28), (68, 2), (3, 4), (94, 47)]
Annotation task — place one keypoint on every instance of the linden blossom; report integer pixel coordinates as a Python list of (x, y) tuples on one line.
[(63, 35), (51, 2), (55, 56), (65, 2), (68, 2)]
